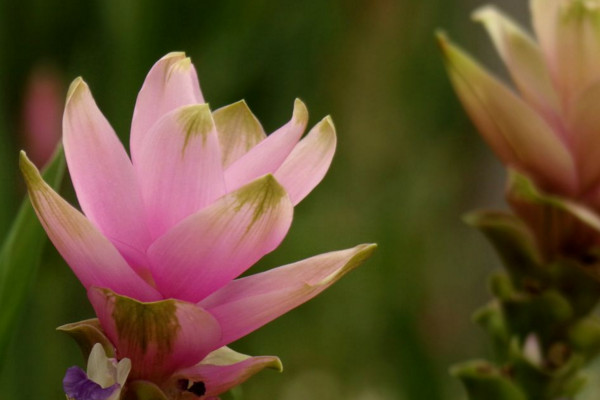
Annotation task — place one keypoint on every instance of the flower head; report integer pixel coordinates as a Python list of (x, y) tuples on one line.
[(165, 233), (549, 131), (43, 102)]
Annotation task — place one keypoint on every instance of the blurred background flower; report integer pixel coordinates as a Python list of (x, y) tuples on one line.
[(408, 165)]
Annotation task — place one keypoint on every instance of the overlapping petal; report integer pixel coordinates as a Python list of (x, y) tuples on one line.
[(569, 32), (246, 304), (102, 174), (518, 135), (308, 163), (239, 131), (268, 155), (189, 175), (224, 369), (544, 15), (159, 337), (213, 246), (584, 120), (91, 256), (523, 58), (171, 83)]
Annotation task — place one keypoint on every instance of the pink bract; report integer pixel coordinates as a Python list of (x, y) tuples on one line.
[(548, 128), (164, 234)]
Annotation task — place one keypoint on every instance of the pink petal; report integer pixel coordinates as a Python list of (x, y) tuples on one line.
[(544, 15), (90, 255), (584, 122), (215, 245), (102, 174), (171, 83), (308, 163), (568, 32), (516, 133), (159, 337), (179, 166), (524, 60), (246, 304), (269, 154), (224, 369), (239, 131)]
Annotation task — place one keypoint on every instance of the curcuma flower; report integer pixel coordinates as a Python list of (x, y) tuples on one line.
[(549, 131), (163, 235)]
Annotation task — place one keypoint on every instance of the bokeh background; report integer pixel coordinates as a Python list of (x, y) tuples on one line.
[(408, 165)]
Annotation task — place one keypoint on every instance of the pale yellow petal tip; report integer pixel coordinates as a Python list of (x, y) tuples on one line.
[(327, 125), (263, 195), (268, 184), (28, 169), (238, 105), (77, 87), (174, 54), (275, 364), (453, 54), (196, 119), (273, 184), (300, 114), (182, 65), (483, 13), (362, 252), (442, 40), (366, 250)]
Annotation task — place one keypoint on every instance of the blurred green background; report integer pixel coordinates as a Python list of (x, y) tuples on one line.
[(408, 165)]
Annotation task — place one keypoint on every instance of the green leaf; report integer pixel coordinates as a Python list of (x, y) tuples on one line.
[(483, 380), (87, 333), (20, 257), (491, 318), (562, 227), (557, 378), (512, 240), (584, 336), (541, 313)]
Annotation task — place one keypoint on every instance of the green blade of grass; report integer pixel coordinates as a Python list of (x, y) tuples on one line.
[(20, 257)]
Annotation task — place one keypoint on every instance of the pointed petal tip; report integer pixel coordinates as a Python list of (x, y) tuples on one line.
[(484, 13), (264, 193), (199, 108), (328, 122), (450, 51), (300, 114), (239, 106), (22, 156), (257, 188), (240, 103), (275, 363), (28, 169), (77, 87), (196, 119), (180, 66), (363, 251), (326, 126), (441, 38), (174, 54)]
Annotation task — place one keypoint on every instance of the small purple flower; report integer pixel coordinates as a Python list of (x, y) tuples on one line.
[(104, 379), (78, 386)]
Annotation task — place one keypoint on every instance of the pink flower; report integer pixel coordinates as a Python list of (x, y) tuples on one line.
[(204, 196), (551, 131)]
